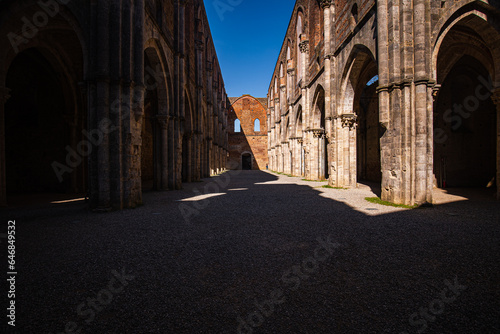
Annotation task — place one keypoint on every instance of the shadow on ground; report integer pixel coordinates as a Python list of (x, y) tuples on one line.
[(256, 240)]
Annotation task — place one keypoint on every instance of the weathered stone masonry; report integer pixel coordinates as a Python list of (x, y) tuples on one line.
[(391, 91), (137, 79), (248, 148)]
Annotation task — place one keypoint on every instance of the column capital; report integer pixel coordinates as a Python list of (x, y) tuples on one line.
[(435, 91), (163, 121), (304, 46), (325, 3), (199, 45), (349, 120)]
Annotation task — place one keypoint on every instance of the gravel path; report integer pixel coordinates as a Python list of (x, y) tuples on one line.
[(254, 252)]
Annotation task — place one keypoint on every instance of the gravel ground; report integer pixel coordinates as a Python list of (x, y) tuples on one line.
[(253, 252)]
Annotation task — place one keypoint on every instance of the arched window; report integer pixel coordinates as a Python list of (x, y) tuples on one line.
[(282, 73), (299, 54), (237, 125), (354, 15), (256, 126)]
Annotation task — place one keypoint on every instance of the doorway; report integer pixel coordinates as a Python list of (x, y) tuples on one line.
[(246, 161)]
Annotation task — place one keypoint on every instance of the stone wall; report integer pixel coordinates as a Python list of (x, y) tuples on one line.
[(142, 98), (339, 54), (247, 110)]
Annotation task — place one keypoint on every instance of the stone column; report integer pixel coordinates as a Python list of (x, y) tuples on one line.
[(4, 96), (326, 5), (200, 47), (164, 135), (306, 117), (304, 48), (496, 99), (126, 99), (102, 105), (383, 95), (115, 138), (348, 145), (421, 100)]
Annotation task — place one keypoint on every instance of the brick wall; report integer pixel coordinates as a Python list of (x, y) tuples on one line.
[(247, 109)]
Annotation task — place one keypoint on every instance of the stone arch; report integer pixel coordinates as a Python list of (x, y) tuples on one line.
[(352, 76), (354, 15), (483, 36), (154, 134), (298, 122), (318, 107), (359, 120), (159, 74), (299, 35), (43, 112), (466, 127), (319, 157)]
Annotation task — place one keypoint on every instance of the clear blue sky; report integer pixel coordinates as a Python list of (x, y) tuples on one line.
[(248, 35)]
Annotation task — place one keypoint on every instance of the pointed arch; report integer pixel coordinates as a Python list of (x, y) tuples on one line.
[(318, 107)]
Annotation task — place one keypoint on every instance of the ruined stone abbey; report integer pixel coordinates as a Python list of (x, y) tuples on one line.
[(108, 98), (402, 93), (112, 98)]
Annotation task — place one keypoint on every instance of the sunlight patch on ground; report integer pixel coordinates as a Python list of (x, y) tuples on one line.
[(68, 201), (238, 189), (200, 197), (271, 182), (356, 201), (441, 196)]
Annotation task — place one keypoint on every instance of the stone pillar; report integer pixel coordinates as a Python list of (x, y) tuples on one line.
[(188, 140), (4, 96), (496, 99), (422, 56), (326, 5), (102, 105), (304, 48), (164, 135), (115, 138), (347, 148), (306, 117), (139, 93), (383, 95)]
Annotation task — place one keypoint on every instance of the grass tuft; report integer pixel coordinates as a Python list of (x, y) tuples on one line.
[(330, 187), (377, 200)]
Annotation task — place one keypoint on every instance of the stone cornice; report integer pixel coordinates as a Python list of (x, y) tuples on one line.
[(406, 83)]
